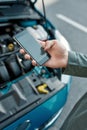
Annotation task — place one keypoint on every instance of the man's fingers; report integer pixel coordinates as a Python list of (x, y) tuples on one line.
[(34, 63), (22, 51), (42, 43), (49, 44), (27, 56)]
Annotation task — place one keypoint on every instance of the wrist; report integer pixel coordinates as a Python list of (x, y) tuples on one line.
[(66, 59)]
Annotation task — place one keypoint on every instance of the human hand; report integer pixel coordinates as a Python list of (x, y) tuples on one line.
[(57, 51)]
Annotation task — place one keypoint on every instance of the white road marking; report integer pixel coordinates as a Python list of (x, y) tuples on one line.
[(71, 22)]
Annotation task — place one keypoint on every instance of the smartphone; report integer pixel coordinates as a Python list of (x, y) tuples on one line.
[(26, 40)]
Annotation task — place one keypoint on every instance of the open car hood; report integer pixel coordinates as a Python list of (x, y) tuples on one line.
[(8, 2), (17, 9)]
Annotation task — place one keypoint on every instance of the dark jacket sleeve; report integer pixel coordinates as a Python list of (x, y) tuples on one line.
[(77, 64)]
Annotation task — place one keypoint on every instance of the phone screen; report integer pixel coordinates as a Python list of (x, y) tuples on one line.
[(31, 46)]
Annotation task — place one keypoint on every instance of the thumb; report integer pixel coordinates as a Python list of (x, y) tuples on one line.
[(42, 43)]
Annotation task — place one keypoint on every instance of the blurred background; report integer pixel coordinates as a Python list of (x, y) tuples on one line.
[(70, 18)]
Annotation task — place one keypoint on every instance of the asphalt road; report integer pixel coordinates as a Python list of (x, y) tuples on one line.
[(70, 18)]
